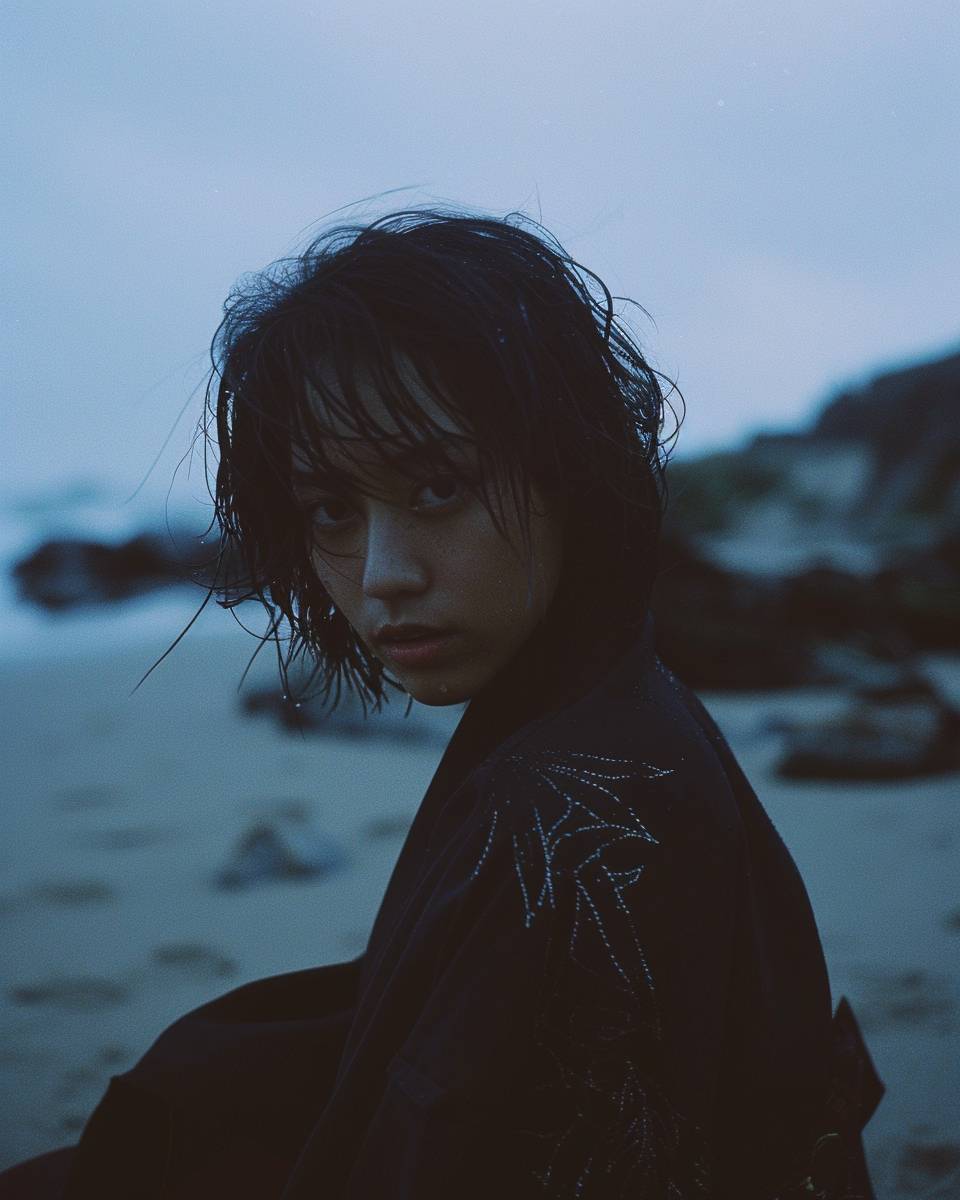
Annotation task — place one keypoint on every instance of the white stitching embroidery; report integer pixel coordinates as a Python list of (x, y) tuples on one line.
[(570, 820)]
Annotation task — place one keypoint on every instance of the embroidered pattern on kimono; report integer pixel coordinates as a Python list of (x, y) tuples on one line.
[(580, 853)]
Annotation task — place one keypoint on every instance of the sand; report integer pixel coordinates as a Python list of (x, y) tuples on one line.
[(118, 810)]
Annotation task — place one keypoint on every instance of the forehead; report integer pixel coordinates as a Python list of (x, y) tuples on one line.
[(359, 427)]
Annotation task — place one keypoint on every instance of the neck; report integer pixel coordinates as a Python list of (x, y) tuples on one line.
[(562, 660)]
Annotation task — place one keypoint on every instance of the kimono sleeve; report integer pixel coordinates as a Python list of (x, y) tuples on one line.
[(539, 1067), (222, 1101)]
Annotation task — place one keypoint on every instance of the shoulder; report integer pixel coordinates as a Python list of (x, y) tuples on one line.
[(631, 774)]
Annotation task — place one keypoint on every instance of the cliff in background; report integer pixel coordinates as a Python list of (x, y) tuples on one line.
[(877, 476)]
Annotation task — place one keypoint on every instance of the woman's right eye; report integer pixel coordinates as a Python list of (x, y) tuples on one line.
[(330, 512)]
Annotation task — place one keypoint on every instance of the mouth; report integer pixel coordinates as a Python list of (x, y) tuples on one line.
[(415, 645)]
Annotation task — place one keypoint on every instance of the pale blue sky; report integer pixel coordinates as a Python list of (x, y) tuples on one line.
[(777, 183)]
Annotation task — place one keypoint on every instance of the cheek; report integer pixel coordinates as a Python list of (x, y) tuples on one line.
[(340, 578), (495, 575), (494, 581), (478, 560)]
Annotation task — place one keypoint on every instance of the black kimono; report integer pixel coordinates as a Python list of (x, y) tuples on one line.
[(595, 973)]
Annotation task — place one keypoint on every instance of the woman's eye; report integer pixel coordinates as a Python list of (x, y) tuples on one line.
[(330, 512), (439, 490)]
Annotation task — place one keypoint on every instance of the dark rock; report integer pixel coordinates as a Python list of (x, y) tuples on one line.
[(297, 716), (898, 731), (859, 516), (346, 720), (832, 603), (708, 494), (722, 629), (909, 419), (717, 629), (850, 665), (929, 1169), (909, 422), (71, 572), (907, 685), (281, 848), (920, 590)]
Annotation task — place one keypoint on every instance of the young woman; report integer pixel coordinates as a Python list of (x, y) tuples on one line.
[(595, 971)]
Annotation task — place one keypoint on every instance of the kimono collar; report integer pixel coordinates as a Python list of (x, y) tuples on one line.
[(559, 664)]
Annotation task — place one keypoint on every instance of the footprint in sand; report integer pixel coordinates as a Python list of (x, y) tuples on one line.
[(942, 839), (929, 1169), (65, 893), (193, 960), (906, 999), (131, 837), (92, 796), (72, 893), (78, 1091), (73, 993), (388, 826)]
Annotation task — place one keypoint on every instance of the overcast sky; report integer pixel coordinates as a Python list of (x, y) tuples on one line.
[(778, 184)]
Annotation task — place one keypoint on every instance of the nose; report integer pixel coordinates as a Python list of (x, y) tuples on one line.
[(395, 561)]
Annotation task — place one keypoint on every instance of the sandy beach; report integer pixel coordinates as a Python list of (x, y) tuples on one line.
[(119, 810)]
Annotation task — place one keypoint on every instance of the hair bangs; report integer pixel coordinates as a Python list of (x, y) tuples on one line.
[(339, 438)]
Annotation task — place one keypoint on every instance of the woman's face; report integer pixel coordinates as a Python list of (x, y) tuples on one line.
[(424, 551)]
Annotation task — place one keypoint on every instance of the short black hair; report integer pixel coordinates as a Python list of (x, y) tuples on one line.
[(510, 335)]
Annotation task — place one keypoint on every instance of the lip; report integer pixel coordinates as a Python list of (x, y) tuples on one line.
[(406, 632), (407, 649)]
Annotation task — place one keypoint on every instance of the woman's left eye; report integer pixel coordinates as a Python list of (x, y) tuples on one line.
[(445, 488)]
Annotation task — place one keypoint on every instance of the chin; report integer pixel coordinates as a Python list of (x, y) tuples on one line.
[(435, 697), (438, 693)]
